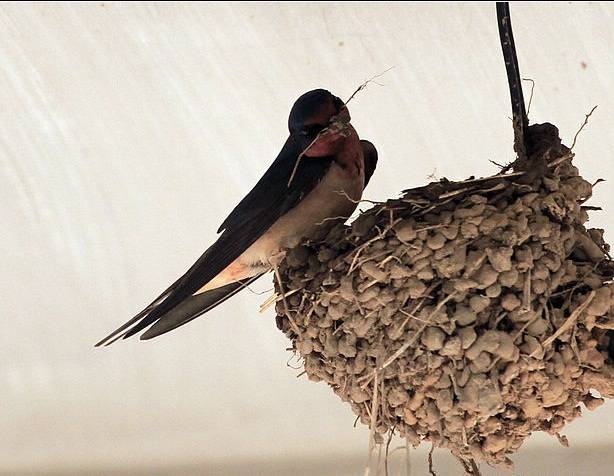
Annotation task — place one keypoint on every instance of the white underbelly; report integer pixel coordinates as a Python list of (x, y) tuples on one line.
[(336, 196)]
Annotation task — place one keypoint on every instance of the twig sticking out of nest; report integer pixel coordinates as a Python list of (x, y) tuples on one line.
[(468, 314)]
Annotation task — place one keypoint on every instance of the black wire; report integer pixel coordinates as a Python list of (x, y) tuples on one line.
[(519, 113)]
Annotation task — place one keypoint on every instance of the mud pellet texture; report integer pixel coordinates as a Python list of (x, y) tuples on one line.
[(484, 307)]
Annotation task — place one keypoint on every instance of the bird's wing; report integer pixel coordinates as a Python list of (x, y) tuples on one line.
[(270, 199), (369, 153)]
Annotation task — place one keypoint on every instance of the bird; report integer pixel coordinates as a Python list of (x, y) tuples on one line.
[(316, 181)]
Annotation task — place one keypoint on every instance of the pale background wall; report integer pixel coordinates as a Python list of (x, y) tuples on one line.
[(129, 131)]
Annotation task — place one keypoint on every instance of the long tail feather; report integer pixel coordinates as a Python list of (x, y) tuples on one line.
[(182, 313), (194, 307), (113, 336)]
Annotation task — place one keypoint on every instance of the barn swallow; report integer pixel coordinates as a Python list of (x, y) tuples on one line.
[(319, 174)]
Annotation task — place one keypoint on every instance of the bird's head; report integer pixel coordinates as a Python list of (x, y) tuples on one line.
[(320, 112)]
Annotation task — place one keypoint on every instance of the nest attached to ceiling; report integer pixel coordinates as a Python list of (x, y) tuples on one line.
[(468, 314)]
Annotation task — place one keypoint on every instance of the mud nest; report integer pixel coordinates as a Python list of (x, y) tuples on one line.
[(468, 314)]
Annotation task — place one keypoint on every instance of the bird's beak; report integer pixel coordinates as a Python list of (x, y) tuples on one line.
[(339, 124), (343, 117), (329, 140)]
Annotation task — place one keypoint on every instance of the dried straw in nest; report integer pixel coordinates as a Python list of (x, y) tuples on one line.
[(469, 314)]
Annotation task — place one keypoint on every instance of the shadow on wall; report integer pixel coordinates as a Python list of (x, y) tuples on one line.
[(596, 461)]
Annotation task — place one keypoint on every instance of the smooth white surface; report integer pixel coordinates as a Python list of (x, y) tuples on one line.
[(129, 131)]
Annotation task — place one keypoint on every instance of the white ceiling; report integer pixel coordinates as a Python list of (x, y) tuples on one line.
[(129, 131)]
